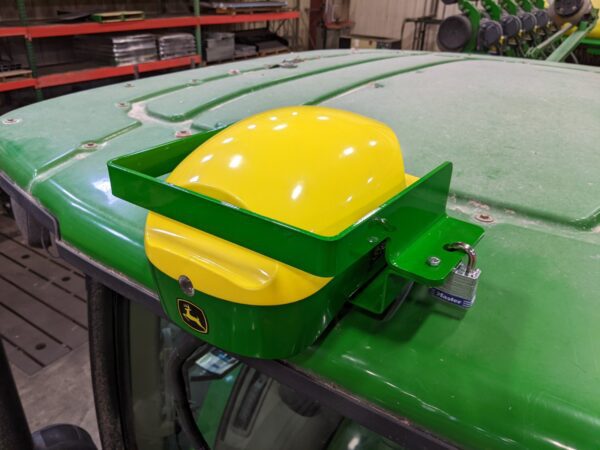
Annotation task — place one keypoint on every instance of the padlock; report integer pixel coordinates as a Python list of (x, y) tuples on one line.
[(460, 287)]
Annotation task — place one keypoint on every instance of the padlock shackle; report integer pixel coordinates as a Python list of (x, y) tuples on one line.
[(468, 250)]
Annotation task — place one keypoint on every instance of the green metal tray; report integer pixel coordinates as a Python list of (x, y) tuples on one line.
[(412, 226)]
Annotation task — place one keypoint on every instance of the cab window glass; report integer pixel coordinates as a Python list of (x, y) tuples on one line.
[(234, 406), (239, 408)]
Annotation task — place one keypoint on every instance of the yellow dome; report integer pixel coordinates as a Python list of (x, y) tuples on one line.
[(315, 168), (318, 169)]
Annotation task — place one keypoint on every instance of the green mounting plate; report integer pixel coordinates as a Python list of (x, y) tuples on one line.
[(412, 226)]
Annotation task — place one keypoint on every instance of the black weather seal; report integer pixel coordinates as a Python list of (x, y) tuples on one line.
[(14, 430), (182, 351), (103, 363), (397, 429), (111, 278), (37, 211)]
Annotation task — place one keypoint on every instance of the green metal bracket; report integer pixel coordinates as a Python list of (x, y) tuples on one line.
[(527, 5), (411, 226), (591, 42), (510, 7), (540, 4), (492, 8), (382, 291), (573, 40), (474, 15), (538, 51)]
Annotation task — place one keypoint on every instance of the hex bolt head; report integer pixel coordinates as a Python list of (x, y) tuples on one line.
[(183, 133), (433, 261), (485, 218), (186, 286)]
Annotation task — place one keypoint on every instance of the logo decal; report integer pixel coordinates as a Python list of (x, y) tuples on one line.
[(192, 316)]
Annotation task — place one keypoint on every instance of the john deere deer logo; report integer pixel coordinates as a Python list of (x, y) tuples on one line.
[(192, 316)]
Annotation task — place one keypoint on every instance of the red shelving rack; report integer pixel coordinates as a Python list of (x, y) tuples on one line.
[(72, 29), (13, 31), (79, 76), (17, 84)]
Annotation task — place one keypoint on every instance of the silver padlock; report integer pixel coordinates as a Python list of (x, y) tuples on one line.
[(460, 287)]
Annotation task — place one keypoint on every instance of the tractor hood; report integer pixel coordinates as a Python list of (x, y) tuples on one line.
[(521, 369)]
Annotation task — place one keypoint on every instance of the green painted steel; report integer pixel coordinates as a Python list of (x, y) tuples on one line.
[(520, 369), (570, 43), (548, 43), (273, 332), (413, 224), (493, 9), (470, 10)]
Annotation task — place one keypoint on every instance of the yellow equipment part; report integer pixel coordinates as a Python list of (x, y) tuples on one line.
[(315, 168), (595, 32)]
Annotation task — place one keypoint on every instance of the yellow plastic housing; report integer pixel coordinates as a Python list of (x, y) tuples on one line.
[(595, 32), (316, 168)]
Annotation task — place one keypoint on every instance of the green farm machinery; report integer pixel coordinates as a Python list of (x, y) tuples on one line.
[(565, 29)]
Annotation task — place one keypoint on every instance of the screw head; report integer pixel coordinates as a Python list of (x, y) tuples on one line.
[(186, 285), (10, 121), (433, 261), (122, 105), (183, 133), (89, 145), (128, 85), (485, 218)]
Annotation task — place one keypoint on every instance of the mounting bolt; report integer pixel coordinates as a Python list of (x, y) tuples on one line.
[(128, 85), (486, 218), (186, 285), (183, 133), (10, 121), (89, 145), (433, 261), (123, 105)]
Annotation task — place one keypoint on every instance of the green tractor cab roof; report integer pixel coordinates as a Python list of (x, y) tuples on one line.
[(518, 369)]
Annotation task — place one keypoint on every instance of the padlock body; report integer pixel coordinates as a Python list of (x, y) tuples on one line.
[(460, 288)]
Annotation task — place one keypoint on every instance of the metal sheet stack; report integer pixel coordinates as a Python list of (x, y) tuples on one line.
[(176, 45), (245, 6), (218, 46), (244, 51), (118, 50)]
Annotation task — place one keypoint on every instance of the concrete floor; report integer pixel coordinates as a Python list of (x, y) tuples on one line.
[(60, 393)]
